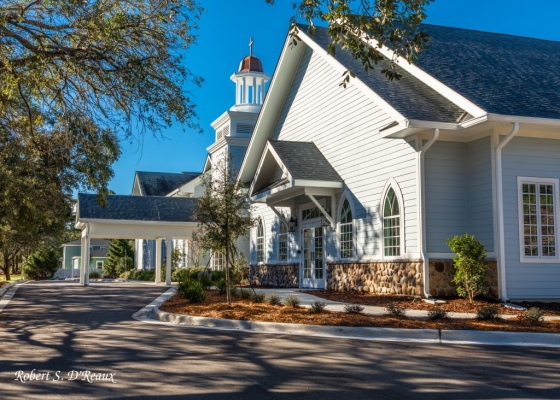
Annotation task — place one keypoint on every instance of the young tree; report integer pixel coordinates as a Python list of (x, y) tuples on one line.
[(120, 258), (42, 264), (223, 215)]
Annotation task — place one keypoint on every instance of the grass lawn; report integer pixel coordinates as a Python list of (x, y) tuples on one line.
[(215, 307), (12, 279)]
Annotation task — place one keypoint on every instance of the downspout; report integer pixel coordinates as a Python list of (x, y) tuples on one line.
[(500, 206), (420, 182)]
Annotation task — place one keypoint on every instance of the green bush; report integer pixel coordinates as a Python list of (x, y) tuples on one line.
[(221, 286), (258, 297), (394, 310), (180, 275), (217, 275), (41, 265), (533, 316), (193, 272), (139, 275), (193, 291), (94, 275), (437, 314), (292, 300), (273, 299), (353, 309), (205, 282), (487, 313), (318, 306), (125, 275), (470, 265), (243, 294)]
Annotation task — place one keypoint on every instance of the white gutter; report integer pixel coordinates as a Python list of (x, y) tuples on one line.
[(500, 206), (421, 183)]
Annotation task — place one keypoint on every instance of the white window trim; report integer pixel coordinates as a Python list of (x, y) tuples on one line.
[(346, 196), (264, 260), (391, 183), (522, 257), (279, 224), (97, 263)]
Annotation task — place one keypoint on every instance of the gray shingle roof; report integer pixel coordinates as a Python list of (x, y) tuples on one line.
[(93, 242), (138, 208), (304, 161), (163, 183), (502, 74), (409, 96), (100, 252)]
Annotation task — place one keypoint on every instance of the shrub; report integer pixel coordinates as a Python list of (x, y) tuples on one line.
[(180, 275), (487, 313), (258, 297), (243, 294), (318, 306), (533, 315), (221, 286), (192, 291), (94, 275), (353, 309), (292, 300), (217, 275), (470, 265), (437, 314), (193, 272), (41, 265), (139, 275), (274, 300), (394, 310), (205, 282), (125, 275)]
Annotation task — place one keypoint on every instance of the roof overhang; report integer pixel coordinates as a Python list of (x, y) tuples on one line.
[(126, 229)]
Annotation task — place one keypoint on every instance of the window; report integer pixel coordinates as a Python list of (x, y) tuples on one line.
[(260, 242), (346, 231), (537, 201), (282, 242), (391, 225), (218, 261), (99, 264)]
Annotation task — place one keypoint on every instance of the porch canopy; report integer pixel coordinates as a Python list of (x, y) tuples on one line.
[(134, 217), (290, 169)]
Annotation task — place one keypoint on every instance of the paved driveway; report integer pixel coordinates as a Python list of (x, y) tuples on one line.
[(55, 327)]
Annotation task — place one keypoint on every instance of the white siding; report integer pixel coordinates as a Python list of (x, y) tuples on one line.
[(344, 124), (528, 157), (237, 153)]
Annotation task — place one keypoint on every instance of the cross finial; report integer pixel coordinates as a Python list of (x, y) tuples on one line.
[(251, 46)]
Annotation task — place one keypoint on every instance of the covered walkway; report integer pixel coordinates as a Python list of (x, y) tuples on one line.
[(135, 217)]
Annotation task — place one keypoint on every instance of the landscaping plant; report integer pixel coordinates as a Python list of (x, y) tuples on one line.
[(193, 291), (533, 316), (274, 300), (318, 306), (292, 300), (258, 297), (470, 265), (41, 265), (394, 310), (437, 314), (94, 275), (353, 309), (487, 313)]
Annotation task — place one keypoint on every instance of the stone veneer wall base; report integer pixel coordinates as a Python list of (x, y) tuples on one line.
[(281, 276)]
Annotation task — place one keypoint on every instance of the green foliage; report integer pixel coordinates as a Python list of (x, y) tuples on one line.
[(138, 275), (394, 310), (221, 285), (41, 265), (273, 299), (292, 300), (470, 265), (120, 258), (180, 275), (391, 23), (487, 313), (533, 316), (218, 275), (243, 294), (193, 291), (318, 306), (258, 297), (437, 314), (94, 275), (353, 309)]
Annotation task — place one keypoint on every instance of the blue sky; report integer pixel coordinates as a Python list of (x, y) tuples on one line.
[(223, 41)]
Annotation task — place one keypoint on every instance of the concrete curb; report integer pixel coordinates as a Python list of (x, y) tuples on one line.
[(7, 292), (152, 314)]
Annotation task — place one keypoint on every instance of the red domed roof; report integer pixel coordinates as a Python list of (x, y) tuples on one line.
[(250, 63)]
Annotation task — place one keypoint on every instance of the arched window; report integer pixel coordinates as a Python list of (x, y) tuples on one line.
[(260, 242), (391, 224), (282, 242), (346, 231)]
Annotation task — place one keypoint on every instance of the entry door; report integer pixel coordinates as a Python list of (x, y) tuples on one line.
[(313, 261)]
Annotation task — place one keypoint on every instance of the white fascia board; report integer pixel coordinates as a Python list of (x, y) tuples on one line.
[(216, 146), (222, 119), (415, 123), (429, 80), (274, 100), (523, 120), (375, 98), (134, 222), (318, 184), (268, 149), (207, 164)]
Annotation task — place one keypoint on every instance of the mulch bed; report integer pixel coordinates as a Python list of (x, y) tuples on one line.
[(456, 305), (215, 307)]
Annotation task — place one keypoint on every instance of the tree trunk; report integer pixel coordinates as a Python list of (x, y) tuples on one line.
[(228, 278), (7, 266)]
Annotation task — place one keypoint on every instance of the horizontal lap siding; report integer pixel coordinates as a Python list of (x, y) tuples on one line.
[(528, 157), (236, 153), (344, 124), (446, 193)]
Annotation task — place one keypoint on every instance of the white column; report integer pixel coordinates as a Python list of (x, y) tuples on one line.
[(244, 91), (82, 258), (168, 249), (85, 262), (158, 261)]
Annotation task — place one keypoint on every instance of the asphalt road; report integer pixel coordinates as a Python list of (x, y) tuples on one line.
[(56, 328)]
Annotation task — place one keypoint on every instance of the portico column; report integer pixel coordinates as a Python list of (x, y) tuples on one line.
[(168, 249), (84, 275), (82, 258), (158, 260)]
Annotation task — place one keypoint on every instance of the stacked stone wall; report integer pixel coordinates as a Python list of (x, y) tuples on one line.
[(387, 277), (281, 276), (442, 273)]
